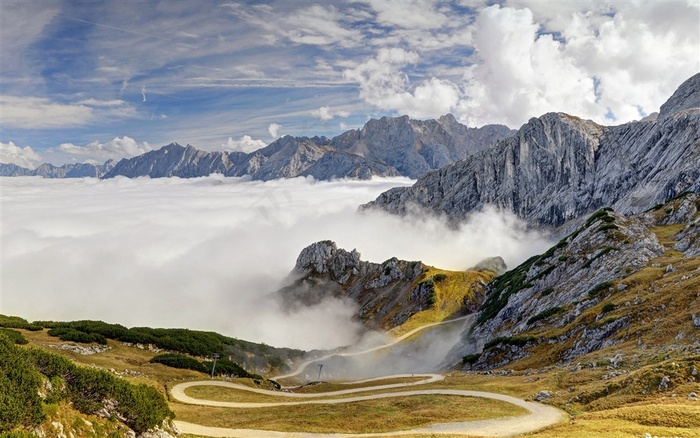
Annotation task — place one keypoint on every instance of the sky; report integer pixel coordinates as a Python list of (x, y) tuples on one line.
[(207, 253), (87, 81)]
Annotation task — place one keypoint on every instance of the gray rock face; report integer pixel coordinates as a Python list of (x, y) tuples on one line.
[(583, 270), (558, 168), (46, 170), (414, 147), (686, 96), (172, 160), (385, 147), (386, 294)]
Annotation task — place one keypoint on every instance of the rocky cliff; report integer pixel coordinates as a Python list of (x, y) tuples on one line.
[(559, 168), (387, 294), (621, 283), (390, 146)]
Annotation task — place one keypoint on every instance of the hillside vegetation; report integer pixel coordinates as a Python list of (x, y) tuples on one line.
[(35, 383)]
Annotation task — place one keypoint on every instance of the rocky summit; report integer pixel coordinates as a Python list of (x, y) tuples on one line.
[(386, 294), (559, 168)]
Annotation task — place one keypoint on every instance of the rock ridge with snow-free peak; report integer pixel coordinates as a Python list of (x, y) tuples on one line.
[(559, 168), (390, 146)]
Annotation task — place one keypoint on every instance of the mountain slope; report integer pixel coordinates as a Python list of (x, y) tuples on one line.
[(558, 168), (619, 283)]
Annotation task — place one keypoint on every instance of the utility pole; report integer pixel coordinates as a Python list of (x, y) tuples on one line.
[(215, 356), (320, 367)]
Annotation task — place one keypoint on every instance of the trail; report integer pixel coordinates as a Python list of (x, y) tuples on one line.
[(395, 341), (539, 416)]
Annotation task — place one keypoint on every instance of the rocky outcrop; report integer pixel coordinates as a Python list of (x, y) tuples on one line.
[(559, 168), (383, 292), (386, 294), (687, 96), (413, 147), (573, 289)]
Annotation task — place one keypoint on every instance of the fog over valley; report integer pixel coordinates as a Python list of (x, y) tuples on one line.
[(206, 253)]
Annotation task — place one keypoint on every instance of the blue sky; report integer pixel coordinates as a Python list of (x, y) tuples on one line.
[(92, 80)]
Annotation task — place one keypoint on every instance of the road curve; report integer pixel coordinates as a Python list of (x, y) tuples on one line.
[(539, 416), (395, 341)]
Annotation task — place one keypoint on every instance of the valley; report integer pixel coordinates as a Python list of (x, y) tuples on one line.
[(596, 336)]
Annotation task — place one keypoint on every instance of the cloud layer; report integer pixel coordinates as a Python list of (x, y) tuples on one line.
[(205, 253)]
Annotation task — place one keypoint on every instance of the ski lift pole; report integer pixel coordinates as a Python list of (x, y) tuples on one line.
[(213, 367)]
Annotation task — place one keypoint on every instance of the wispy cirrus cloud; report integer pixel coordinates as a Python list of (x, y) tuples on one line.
[(44, 113)]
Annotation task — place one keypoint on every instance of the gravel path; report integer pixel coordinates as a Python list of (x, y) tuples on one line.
[(540, 415)]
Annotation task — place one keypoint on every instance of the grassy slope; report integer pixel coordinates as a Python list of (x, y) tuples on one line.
[(451, 294)]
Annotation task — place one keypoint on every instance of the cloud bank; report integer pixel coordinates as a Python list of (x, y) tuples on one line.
[(25, 156), (206, 253)]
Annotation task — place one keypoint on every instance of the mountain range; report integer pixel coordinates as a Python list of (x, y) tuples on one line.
[(389, 146), (559, 168)]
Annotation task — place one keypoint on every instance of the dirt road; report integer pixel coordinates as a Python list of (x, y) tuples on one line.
[(540, 415)]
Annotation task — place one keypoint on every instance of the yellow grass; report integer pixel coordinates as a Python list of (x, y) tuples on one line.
[(450, 296), (360, 417)]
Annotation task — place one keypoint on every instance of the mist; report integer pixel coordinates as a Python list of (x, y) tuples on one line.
[(206, 253)]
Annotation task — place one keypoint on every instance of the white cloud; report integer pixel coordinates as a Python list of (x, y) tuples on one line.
[(43, 113), (313, 25), (610, 62), (118, 147), (409, 14), (274, 130), (139, 251), (383, 84), (522, 74), (21, 156), (40, 113), (244, 144), (325, 113)]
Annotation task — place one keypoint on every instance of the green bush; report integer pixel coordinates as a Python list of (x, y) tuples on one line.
[(225, 367), (595, 290), (142, 406), (545, 314), (439, 277), (20, 404), (179, 361), (503, 287), (71, 335), (18, 323), (504, 340), (471, 358), (14, 336), (607, 307)]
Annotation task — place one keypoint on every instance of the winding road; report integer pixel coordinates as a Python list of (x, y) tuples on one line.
[(539, 416)]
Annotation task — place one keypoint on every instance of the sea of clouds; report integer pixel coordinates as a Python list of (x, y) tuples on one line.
[(206, 253)]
